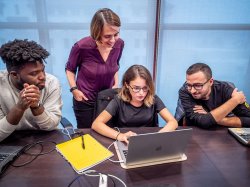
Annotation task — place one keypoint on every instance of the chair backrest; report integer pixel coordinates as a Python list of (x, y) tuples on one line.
[(156, 121), (180, 112), (103, 99)]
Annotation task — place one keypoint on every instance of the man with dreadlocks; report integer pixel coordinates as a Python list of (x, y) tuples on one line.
[(29, 97)]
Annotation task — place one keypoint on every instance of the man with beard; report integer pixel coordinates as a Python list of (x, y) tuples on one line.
[(209, 103), (30, 99)]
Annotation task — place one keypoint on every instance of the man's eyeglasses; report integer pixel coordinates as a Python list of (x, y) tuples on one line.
[(196, 86), (137, 89)]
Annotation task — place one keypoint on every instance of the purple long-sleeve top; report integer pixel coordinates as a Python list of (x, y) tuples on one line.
[(93, 74)]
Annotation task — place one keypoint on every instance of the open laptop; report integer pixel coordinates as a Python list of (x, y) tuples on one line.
[(153, 148), (241, 134), (7, 154)]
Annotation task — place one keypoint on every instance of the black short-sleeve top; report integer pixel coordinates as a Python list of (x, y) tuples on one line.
[(131, 116)]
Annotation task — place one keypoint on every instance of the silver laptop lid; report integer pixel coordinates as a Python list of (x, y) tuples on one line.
[(152, 147)]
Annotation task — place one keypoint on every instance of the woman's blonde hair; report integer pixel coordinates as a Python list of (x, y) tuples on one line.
[(101, 17), (131, 74)]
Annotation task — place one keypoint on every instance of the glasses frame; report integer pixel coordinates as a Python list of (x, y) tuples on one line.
[(190, 86), (139, 89)]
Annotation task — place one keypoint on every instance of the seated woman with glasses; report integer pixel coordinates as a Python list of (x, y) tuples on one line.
[(135, 106)]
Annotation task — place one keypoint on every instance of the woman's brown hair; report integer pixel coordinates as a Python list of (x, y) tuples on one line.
[(101, 17), (131, 74)]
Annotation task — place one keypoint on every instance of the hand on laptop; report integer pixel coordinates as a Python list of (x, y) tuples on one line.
[(125, 136)]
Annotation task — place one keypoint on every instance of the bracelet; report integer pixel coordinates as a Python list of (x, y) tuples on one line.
[(117, 135), (73, 88)]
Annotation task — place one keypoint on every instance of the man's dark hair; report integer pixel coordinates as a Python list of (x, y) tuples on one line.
[(200, 67), (18, 52)]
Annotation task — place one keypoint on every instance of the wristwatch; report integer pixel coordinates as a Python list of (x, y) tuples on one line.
[(38, 105), (73, 88)]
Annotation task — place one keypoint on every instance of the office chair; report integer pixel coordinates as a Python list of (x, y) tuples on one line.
[(66, 123), (180, 113), (103, 99)]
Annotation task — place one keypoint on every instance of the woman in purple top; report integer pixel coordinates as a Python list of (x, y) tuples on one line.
[(95, 60)]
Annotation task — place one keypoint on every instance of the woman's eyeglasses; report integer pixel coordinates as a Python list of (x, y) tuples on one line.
[(137, 89)]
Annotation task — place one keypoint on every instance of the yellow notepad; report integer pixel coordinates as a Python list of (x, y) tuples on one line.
[(83, 159)]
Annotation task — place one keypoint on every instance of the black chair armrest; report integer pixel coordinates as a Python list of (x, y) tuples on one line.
[(65, 123)]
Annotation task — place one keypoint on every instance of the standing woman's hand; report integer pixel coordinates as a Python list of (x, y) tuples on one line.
[(78, 95)]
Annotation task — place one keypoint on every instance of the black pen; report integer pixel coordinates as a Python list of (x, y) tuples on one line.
[(83, 145)]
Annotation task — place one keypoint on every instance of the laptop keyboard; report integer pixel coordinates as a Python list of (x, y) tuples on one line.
[(245, 137), (125, 152), (3, 157)]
